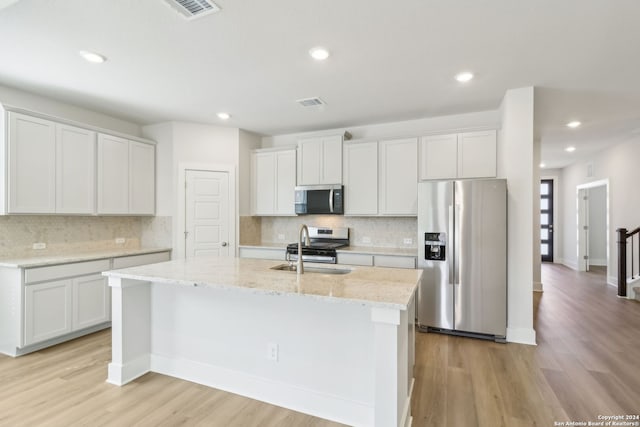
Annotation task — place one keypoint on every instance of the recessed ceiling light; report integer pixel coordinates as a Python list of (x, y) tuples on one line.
[(224, 116), (574, 124), (92, 57), (464, 76), (542, 165), (319, 53), (570, 149)]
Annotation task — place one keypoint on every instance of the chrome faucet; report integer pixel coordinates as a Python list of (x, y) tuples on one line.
[(307, 242)]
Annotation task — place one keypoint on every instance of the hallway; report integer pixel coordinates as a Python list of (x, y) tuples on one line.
[(585, 364)]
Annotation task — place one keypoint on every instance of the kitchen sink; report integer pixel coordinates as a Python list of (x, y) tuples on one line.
[(310, 269)]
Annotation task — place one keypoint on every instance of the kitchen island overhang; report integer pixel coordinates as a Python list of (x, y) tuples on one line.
[(340, 347)]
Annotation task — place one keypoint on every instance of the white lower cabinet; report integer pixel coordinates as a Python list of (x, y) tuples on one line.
[(91, 301), (56, 308), (377, 260), (45, 305), (47, 310), (263, 253)]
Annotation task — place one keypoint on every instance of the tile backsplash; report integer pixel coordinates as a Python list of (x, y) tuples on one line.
[(389, 232), (65, 234), (250, 230)]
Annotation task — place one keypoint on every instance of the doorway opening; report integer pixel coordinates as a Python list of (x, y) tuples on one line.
[(546, 220), (593, 227)]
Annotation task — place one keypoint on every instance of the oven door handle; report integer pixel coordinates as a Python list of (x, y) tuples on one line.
[(331, 200)]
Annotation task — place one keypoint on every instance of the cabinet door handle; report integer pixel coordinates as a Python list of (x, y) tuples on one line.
[(224, 244)]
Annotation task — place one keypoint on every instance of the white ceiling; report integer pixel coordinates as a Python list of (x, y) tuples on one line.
[(390, 61)]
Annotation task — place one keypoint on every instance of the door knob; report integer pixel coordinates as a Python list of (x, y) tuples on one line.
[(224, 244)]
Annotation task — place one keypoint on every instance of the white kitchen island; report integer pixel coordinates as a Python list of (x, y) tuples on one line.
[(336, 346)]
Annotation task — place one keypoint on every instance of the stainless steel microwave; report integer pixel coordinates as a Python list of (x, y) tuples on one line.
[(319, 199)]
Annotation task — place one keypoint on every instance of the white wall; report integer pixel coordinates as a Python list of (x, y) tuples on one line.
[(597, 199), (182, 143), (516, 157), (40, 104), (454, 123), (618, 164)]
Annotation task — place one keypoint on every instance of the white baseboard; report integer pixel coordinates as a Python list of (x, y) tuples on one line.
[(599, 262), (331, 407), (407, 419), (122, 374), (571, 264), (521, 336)]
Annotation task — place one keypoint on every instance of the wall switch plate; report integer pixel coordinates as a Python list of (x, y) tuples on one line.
[(366, 239), (120, 240), (408, 241), (280, 236), (39, 246), (272, 351)]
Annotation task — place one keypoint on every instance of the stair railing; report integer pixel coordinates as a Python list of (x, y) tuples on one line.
[(624, 237)]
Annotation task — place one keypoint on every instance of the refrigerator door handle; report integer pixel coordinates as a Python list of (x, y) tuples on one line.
[(456, 244), (450, 245)]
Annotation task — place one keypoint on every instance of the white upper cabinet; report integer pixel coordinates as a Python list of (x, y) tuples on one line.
[(398, 177), (263, 185), (439, 157), (113, 175), (32, 165), (75, 170), (360, 178), (285, 182), (463, 155), (273, 182), (477, 154), (320, 160), (142, 176), (51, 167)]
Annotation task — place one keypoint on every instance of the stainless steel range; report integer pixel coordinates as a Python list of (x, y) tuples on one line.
[(323, 245)]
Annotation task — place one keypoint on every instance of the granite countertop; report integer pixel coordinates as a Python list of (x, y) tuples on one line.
[(370, 250), (44, 260), (369, 286)]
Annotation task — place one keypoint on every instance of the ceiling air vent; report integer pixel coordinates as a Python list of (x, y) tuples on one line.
[(191, 9), (311, 102)]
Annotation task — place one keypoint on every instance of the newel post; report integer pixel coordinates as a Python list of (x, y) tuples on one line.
[(622, 262)]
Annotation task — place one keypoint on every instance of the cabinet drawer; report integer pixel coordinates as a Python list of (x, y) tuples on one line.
[(277, 254), (355, 259), (134, 260), (39, 274), (395, 261)]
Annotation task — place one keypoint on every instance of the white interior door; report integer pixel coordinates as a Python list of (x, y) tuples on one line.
[(206, 213)]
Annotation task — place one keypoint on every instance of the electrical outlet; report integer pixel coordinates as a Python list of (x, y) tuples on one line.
[(120, 240), (366, 239), (39, 246), (272, 351), (408, 241), (280, 236)]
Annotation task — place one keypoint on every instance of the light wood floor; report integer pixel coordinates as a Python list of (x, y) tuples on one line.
[(586, 364)]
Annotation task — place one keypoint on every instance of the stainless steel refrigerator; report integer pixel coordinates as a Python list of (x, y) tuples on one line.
[(462, 236)]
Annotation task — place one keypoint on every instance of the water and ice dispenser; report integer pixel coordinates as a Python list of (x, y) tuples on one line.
[(434, 246)]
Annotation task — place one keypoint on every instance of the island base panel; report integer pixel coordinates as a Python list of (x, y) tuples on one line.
[(345, 362)]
